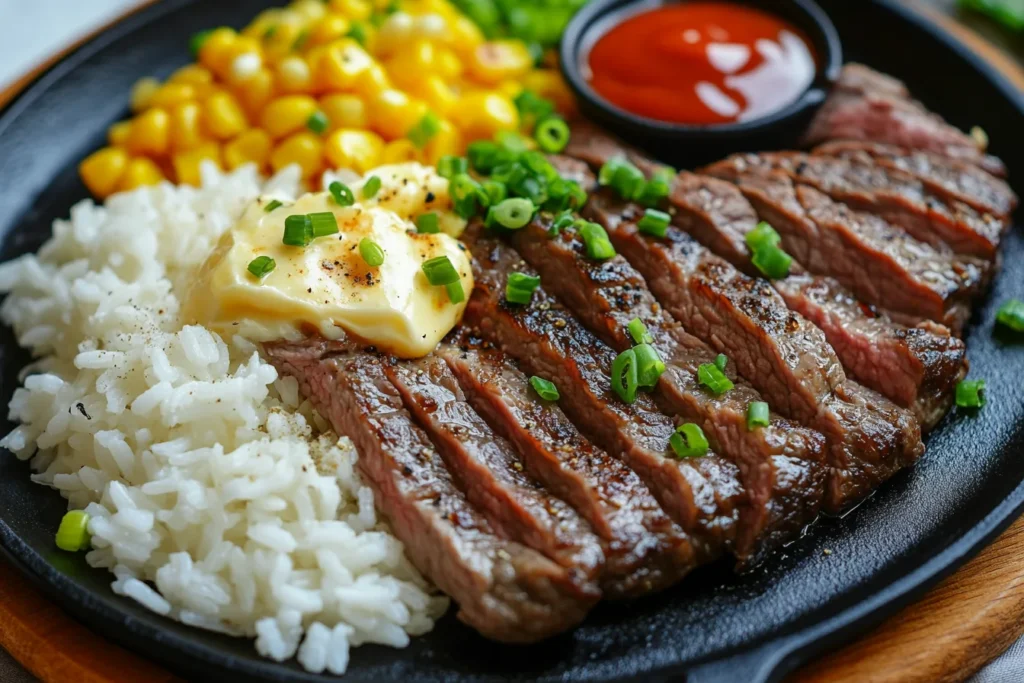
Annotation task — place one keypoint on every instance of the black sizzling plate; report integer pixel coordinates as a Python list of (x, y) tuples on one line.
[(714, 627)]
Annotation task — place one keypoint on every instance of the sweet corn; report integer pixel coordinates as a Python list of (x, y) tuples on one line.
[(218, 50), (400, 151), (341, 64), (449, 66), (358, 150), (139, 172), (117, 134), (287, 114), (255, 92), (549, 84), (479, 115), (142, 93), (393, 113), (356, 10), (294, 75), (330, 27), (187, 164), (371, 81), (252, 146), (446, 141), (282, 39), (464, 36), (309, 10), (170, 95), (186, 126), (344, 111), (150, 133), (412, 62), (101, 171), (193, 74), (499, 60), (396, 31), (304, 148), (223, 117), (436, 93)]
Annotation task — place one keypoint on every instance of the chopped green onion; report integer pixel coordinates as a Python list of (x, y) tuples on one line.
[(456, 293), (545, 389), (424, 130), (638, 331), (195, 43), (561, 222), (757, 415), (483, 155), (688, 441), (623, 177), (970, 393), (73, 532), (763, 235), (449, 166), (596, 241), (520, 287), (625, 378), (654, 222), (463, 191), (440, 271), (491, 192), (552, 135), (427, 223), (649, 365), (773, 262), (532, 107), (720, 361), (298, 230), (317, 122), (711, 376), (341, 193), (357, 33), (273, 204), (513, 213), (261, 265), (371, 252), (324, 224), (511, 141), (371, 187), (1011, 314)]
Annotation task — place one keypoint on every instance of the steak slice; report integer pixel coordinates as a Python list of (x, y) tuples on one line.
[(491, 473), (949, 178), (504, 590), (778, 351), (644, 550), (781, 466), (594, 146), (869, 106), (700, 494), (917, 368), (891, 194)]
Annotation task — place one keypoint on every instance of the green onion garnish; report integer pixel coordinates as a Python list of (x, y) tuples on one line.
[(427, 223), (720, 361), (552, 135), (371, 252), (491, 192), (261, 265), (970, 393), (1011, 314), (324, 224), (757, 415), (773, 262), (561, 222), (658, 187), (73, 532), (520, 287), (545, 389), (625, 378), (440, 271), (448, 166), (649, 365), (762, 236), (512, 213), (688, 441), (371, 187), (623, 177), (317, 122), (654, 222), (596, 241), (483, 155), (195, 43), (456, 294), (463, 190), (341, 193), (638, 331), (532, 107), (424, 130), (711, 376), (357, 33), (298, 230), (273, 204)]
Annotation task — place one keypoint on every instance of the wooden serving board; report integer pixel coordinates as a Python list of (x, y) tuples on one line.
[(955, 629)]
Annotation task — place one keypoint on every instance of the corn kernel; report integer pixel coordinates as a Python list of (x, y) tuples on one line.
[(255, 92), (304, 148), (223, 117), (252, 146), (449, 66), (356, 10), (510, 89), (465, 35), (186, 164), (549, 84), (294, 75), (329, 28), (499, 60), (396, 31), (431, 26), (150, 133), (170, 95), (101, 171), (280, 42), (400, 151), (446, 141), (139, 172), (186, 126), (393, 113), (287, 114), (412, 62), (344, 111), (117, 134), (193, 74), (436, 93), (372, 81), (358, 150), (309, 10), (218, 50), (245, 66), (341, 64), (479, 115), (142, 93)]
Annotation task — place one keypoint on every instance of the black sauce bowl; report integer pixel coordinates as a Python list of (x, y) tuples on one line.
[(690, 145)]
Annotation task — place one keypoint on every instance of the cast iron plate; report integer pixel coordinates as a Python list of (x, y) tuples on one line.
[(714, 627)]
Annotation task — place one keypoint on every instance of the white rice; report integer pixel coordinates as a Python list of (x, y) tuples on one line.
[(216, 497)]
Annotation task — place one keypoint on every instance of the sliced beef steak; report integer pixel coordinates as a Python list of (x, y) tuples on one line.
[(505, 590), (491, 473), (644, 550), (781, 466), (717, 216), (949, 178), (595, 146), (702, 494)]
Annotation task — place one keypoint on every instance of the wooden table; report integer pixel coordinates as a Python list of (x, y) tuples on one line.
[(954, 630)]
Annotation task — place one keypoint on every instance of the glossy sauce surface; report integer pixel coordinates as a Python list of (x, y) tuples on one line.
[(702, 63)]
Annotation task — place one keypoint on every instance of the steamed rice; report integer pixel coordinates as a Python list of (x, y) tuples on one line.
[(217, 496)]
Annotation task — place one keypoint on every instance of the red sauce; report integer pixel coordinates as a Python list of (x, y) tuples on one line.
[(702, 63)]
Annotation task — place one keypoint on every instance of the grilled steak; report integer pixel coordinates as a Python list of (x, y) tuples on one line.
[(700, 494), (781, 466), (891, 194), (491, 473), (593, 145), (506, 591), (869, 106), (949, 178), (644, 550)]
